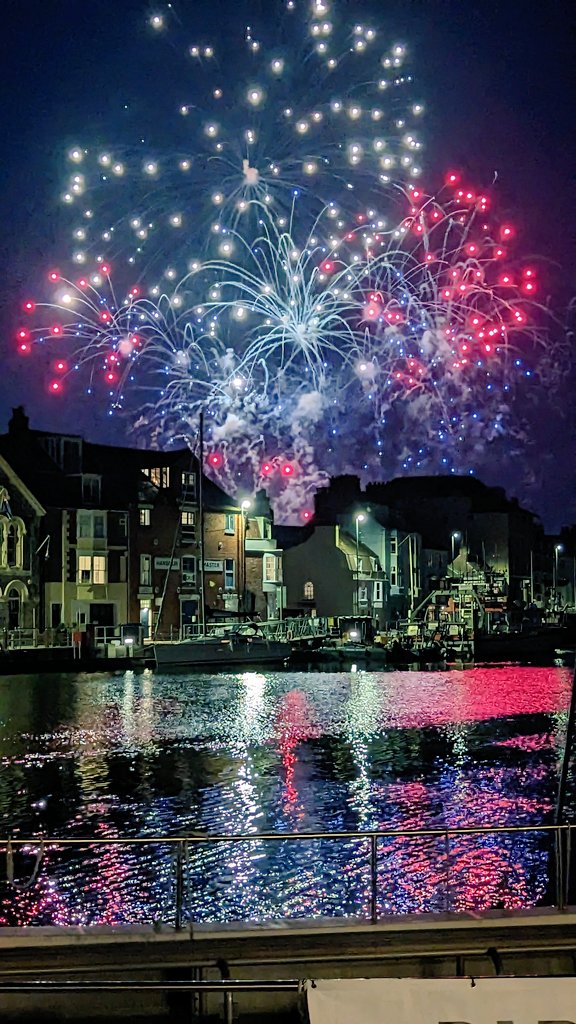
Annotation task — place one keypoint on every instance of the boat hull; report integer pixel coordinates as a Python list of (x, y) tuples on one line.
[(192, 653)]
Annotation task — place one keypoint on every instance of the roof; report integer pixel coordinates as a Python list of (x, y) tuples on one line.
[(121, 468)]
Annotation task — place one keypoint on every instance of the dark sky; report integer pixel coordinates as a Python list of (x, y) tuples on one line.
[(498, 80)]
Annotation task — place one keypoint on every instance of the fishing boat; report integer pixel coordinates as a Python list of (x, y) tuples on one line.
[(243, 645)]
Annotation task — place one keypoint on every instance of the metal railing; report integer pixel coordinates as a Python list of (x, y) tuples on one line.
[(298, 628), (18, 639), (227, 988), (559, 854)]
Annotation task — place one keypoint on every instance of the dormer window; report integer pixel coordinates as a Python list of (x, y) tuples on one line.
[(91, 488)]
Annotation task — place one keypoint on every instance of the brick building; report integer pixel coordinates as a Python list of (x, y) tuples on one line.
[(122, 533)]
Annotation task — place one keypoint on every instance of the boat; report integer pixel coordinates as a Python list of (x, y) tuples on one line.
[(243, 645)]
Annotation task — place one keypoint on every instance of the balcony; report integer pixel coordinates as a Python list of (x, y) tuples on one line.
[(92, 591)]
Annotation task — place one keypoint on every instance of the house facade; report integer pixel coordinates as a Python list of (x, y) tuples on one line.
[(329, 574), (21, 517), (122, 537)]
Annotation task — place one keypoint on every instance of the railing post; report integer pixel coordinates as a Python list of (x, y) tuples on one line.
[(374, 878), (228, 1008), (566, 853), (180, 858), (447, 859), (558, 868)]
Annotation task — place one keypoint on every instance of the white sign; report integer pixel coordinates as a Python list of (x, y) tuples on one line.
[(214, 566), (167, 563), (441, 1001)]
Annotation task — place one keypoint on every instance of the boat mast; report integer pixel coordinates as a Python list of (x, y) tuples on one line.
[(201, 511)]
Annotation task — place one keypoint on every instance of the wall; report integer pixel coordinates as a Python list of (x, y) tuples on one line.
[(321, 562)]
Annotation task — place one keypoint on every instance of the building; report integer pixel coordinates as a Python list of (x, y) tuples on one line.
[(265, 591), (455, 512), (122, 530), (84, 533), (21, 553), (332, 573)]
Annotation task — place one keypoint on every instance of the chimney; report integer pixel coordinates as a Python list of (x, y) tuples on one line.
[(18, 423)]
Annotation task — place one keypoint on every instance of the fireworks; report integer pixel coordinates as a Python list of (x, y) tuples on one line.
[(325, 116), (290, 278)]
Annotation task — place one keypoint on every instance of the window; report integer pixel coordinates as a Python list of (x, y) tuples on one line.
[(65, 451), (188, 520), (158, 475), (229, 574), (308, 591), (229, 522), (146, 570), (393, 578), (362, 595), (378, 591), (393, 545), (270, 567), (12, 533), (84, 526), (188, 569), (91, 524), (91, 569), (189, 486), (144, 517), (91, 487), (11, 545), (99, 569)]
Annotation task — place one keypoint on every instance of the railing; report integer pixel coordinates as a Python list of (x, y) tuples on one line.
[(558, 853), (298, 628), (16, 639), (226, 988)]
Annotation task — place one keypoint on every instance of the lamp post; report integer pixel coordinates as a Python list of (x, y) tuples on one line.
[(558, 549), (359, 518), (246, 505), (454, 536), (411, 572)]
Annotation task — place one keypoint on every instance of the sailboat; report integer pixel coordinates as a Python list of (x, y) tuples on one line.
[(242, 644), (245, 644)]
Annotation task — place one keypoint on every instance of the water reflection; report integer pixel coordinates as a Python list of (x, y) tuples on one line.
[(139, 754)]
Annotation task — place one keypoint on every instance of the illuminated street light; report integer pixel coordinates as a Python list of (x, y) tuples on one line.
[(558, 549), (359, 518), (245, 505), (454, 537)]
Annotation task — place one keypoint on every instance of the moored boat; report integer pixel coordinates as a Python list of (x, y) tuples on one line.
[(245, 645)]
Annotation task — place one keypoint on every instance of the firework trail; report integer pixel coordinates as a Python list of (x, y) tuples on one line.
[(323, 112), (287, 276)]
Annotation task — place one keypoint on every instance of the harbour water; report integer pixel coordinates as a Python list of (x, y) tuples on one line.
[(140, 754)]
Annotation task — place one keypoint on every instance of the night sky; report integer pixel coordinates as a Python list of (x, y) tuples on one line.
[(498, 80)]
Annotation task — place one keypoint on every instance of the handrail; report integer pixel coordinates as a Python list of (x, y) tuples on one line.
[(559, 872), (231, 837), (226, 987), (130, 985)]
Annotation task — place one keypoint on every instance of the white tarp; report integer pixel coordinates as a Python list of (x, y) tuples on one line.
[(442, 1001)]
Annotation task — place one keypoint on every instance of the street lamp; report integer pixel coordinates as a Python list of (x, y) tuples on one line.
[(411, 572), (558, 549), (359, 518), (454, 536), (245, 505)]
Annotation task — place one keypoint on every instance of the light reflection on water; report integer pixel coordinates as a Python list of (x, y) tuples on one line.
[(130, 754)]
